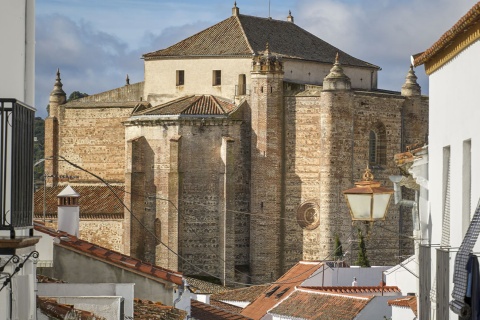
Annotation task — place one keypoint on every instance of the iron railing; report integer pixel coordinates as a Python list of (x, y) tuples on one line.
[(16, 165)]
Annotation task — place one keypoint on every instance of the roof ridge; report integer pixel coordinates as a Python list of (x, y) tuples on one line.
[(159, 106), (219, 106), (244, 34)]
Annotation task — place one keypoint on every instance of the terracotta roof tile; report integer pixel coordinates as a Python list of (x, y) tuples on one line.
[(247, 294), (116, 258), (94, 201), (281, 289), (203, 311), (204, 287), (356, 290), (406, 302), (45, 279), (149, 310), (192, 105), (50, 307), (245, 35), (225, 306), (469, 19), (307, 304)]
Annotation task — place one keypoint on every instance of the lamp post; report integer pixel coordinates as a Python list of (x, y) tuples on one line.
[(368, 200)]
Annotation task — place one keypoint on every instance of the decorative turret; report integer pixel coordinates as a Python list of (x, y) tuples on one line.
[(336, 79), (127, 81), (267, 62), (57, 96), (411, 87), (235, 9), (290, 17)]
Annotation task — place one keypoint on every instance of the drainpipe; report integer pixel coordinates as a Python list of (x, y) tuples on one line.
[(180, 293)]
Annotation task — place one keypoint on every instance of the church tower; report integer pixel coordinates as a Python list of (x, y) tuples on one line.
[(336, 120), (415, 130), (267, 169), (57, 98)]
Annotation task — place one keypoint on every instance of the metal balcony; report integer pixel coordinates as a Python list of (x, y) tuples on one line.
[(16, 165)]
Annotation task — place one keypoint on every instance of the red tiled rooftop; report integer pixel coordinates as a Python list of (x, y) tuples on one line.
[(203, 311), (54, 310), (281, 289), (225, 306), (307, 304), (247, 294), (406, 302), (149, 310), (355, 290), (110, 256), (95, 202)]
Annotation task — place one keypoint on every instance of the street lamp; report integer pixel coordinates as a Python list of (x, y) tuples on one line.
[(368, 201)]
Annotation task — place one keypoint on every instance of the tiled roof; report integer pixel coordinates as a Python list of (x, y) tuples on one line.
[(244, 35), (355, 290), (109, 256), (54, 310), (225, 306), (307, 304), (45, 279), (95, 202), (192, 105), (202, 311), (149, 310), (247, 294), (204, 287), (472, 17), (281, 289), (406, 302)]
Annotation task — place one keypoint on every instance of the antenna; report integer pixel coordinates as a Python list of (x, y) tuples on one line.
[(269, 9)]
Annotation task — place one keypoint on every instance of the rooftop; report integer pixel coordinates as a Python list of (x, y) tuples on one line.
[(356, 290), (406, 302), (244, 36), (54, 310), (281, 289), (95, 202), (247, 294), (203, 311), (112, 257), (149, 310)]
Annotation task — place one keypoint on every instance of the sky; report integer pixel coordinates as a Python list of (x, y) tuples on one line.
[(96, 43)]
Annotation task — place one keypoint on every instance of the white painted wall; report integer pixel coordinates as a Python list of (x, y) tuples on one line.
[(344, 276), (402, 313), (17, 57), (403, 276), (454, 105), (106, 307)]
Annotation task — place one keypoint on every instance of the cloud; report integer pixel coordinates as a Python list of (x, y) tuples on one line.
[(382, 32)]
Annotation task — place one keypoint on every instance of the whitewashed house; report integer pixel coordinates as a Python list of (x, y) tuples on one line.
[(448, 223)]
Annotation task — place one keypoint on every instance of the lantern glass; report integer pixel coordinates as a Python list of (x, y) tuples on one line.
[(380, 205), (360, 205)]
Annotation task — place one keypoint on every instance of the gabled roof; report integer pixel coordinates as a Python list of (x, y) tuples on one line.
[(245, 36), (192, 105), (307, 304), (120, 260), (405, 302), (203, 311), (281, 289), (94, 202), (247, 294)]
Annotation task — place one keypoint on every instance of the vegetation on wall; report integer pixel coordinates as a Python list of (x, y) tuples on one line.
[(362, 260)]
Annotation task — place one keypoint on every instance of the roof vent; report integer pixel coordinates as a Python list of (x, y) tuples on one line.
[(271, 291)]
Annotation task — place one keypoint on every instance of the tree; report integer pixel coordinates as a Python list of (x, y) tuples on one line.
[(362, 260), (76, 95), (338, 250)]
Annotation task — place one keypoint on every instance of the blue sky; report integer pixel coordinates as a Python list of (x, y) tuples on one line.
[(95, 43)]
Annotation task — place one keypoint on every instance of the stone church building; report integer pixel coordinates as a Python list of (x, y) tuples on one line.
[(232, 154)]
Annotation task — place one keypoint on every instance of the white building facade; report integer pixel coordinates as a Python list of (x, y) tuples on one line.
[(453, 149)]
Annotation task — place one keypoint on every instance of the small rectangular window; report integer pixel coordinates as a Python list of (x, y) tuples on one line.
[(180, 78), (217, 77)]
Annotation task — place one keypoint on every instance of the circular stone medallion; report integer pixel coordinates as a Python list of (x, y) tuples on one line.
[(308, 215)]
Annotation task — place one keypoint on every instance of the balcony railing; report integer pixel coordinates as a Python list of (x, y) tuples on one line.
[(16, 165)]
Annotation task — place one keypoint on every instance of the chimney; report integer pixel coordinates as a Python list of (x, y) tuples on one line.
[(290, 17), (68, 211)]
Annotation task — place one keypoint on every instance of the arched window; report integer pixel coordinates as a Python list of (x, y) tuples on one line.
[(377, 146)]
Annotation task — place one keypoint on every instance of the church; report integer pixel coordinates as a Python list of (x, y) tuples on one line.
[(231, 156)]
